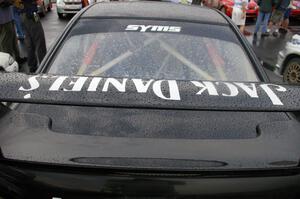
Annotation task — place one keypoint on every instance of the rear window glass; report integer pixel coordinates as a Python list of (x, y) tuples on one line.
[(153, 49)]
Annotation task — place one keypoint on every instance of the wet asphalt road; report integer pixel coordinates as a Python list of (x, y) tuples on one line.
[(266, 49), (53, 26)]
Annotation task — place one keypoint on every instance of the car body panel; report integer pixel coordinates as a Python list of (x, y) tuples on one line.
[(296, 9), (67, 183), (292, 49), (181, 12), (214, 157), (295, 13), (275, 147), (69, 6)]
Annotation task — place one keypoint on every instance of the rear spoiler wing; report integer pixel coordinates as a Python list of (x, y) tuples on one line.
[(140, 93), (28, 137)]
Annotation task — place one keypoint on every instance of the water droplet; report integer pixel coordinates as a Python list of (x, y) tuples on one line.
[(27, 96)]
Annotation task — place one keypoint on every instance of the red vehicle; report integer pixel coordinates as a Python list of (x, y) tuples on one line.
[(296, 9), (227, 5)]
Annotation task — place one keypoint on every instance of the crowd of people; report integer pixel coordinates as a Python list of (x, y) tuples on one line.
[(16, 16), (273, 15)]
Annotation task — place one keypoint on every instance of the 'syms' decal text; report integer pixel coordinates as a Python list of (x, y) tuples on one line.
[(153, 28)]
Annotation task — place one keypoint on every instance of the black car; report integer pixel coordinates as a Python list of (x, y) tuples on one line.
[(150, 100)]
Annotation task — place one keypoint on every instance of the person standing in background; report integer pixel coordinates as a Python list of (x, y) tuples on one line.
[(35, 37), (265, 10), (16, 16), (8, 39), (277, 16), (239, 14), (285, 22)]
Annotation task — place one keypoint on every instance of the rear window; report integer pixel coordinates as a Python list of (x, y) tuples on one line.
[(153, 49)]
